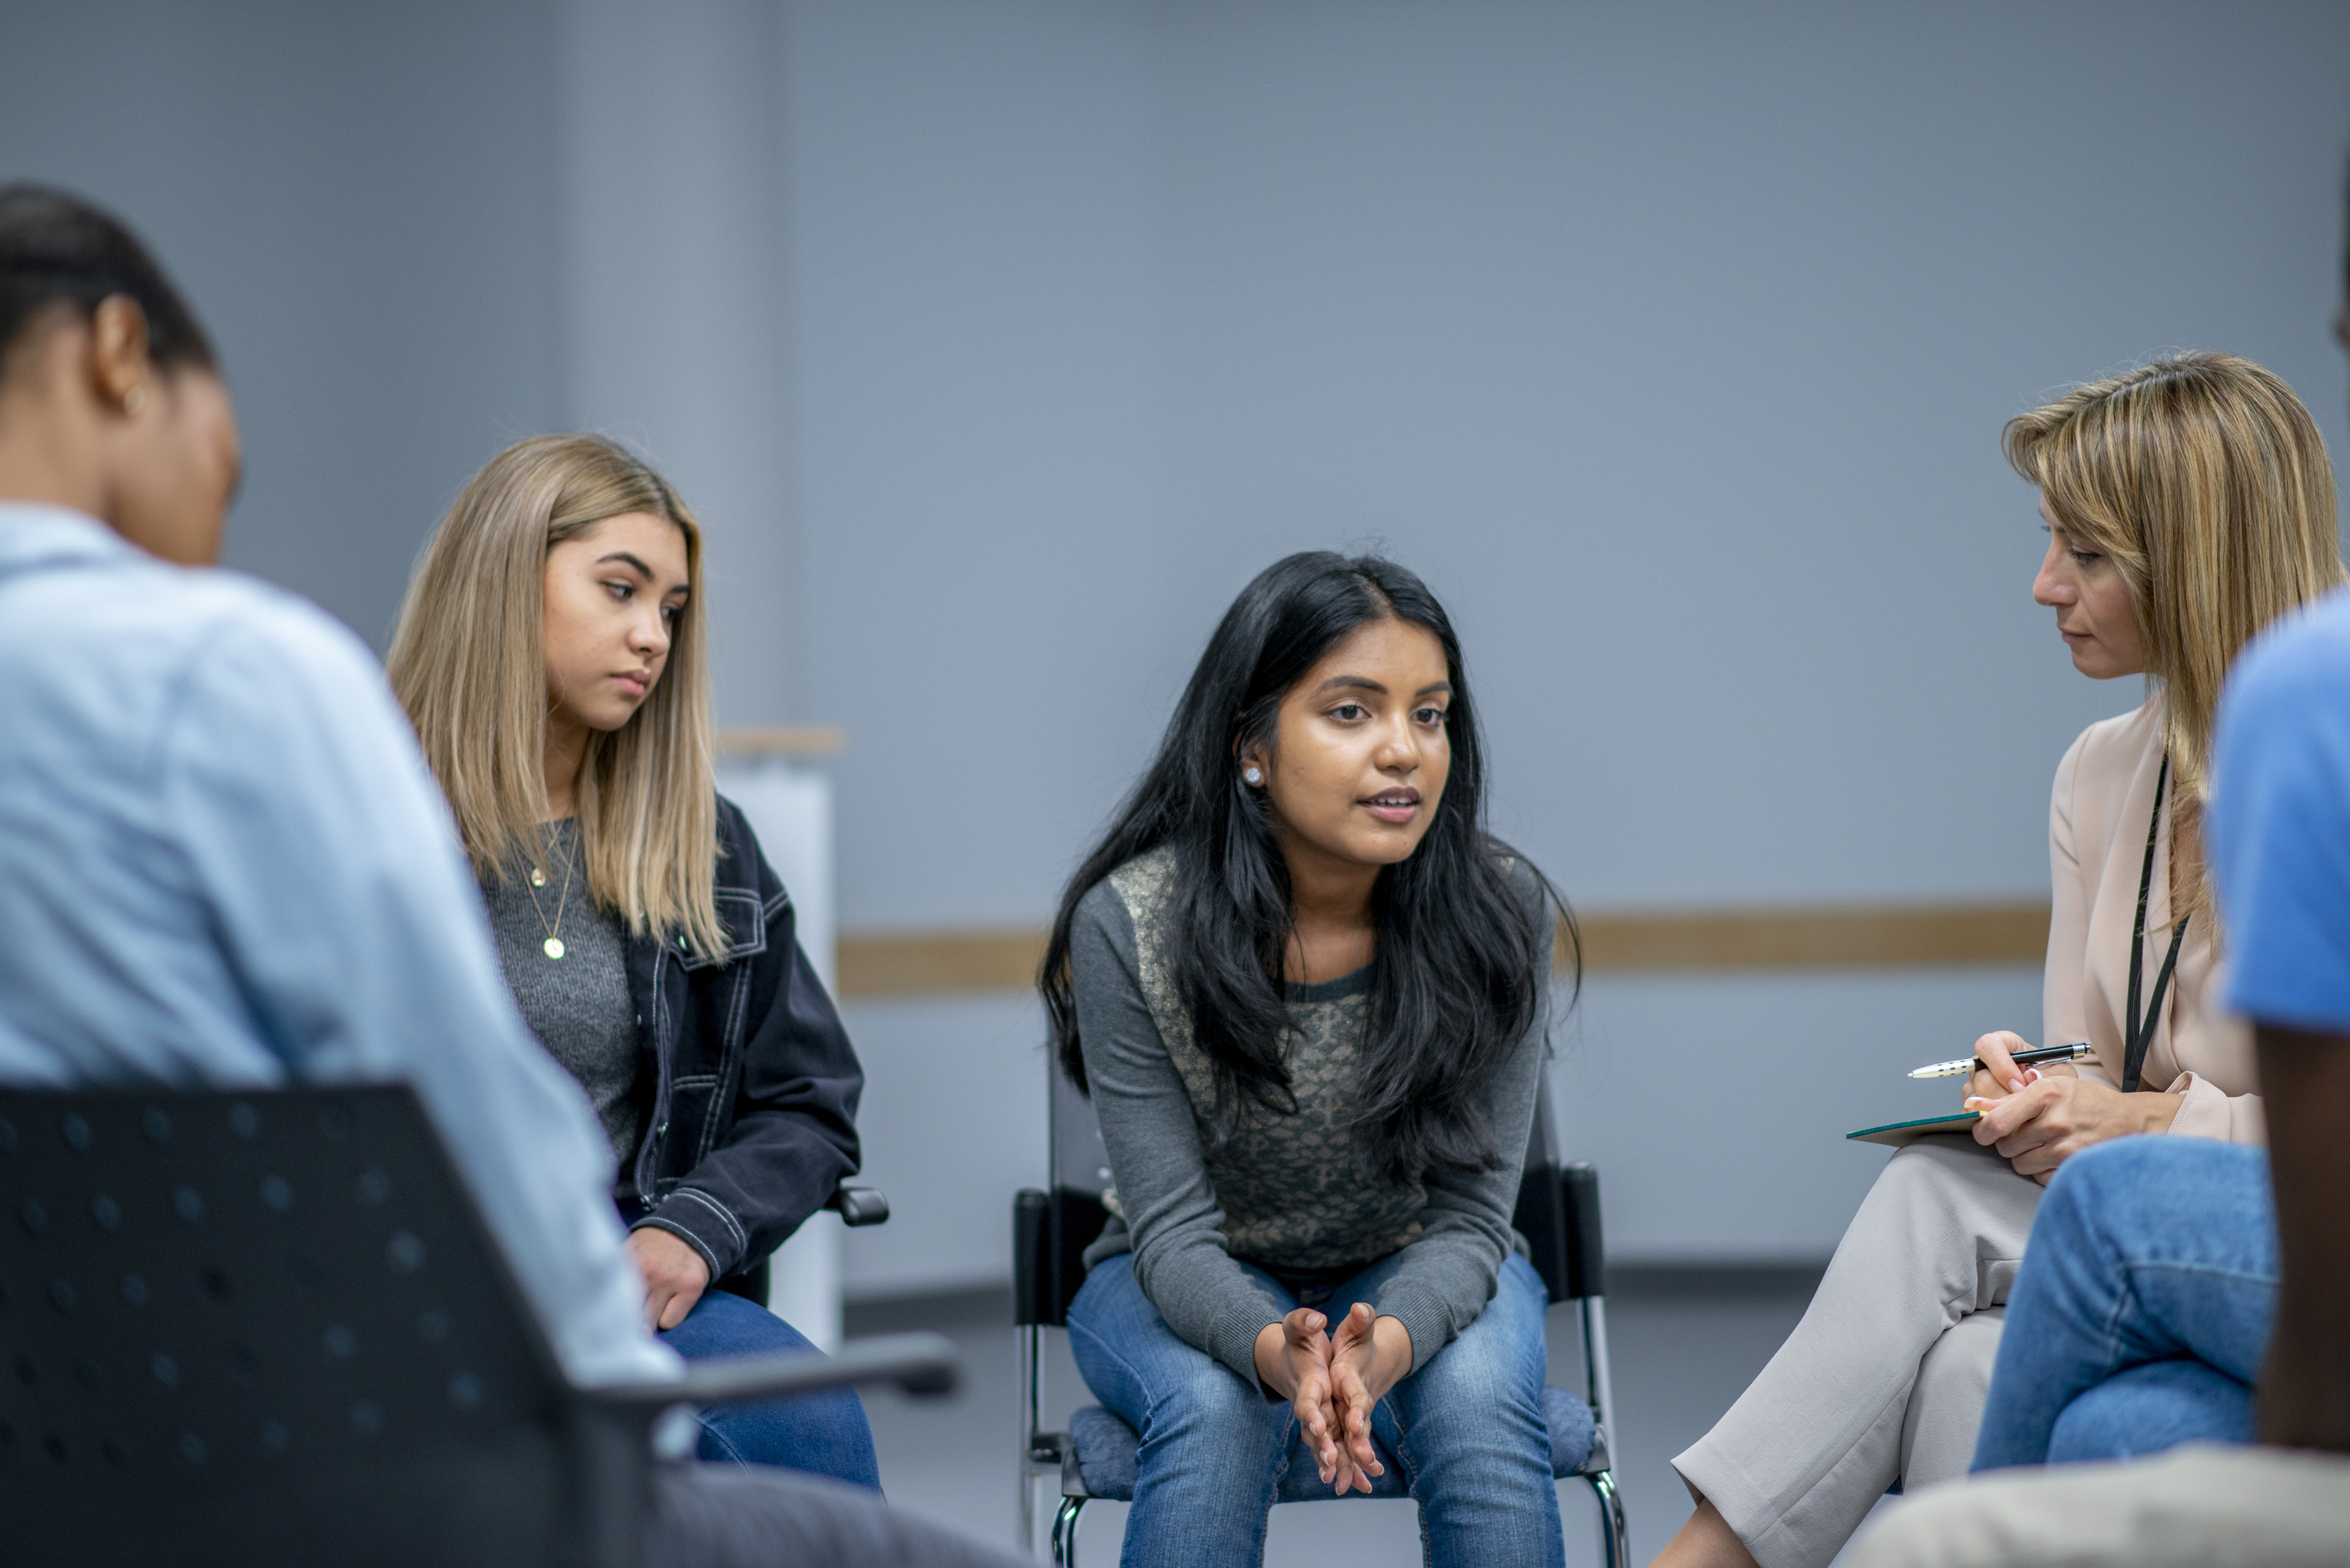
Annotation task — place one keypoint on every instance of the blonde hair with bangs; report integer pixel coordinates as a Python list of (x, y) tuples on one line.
[(2205, 480), (469, 663)]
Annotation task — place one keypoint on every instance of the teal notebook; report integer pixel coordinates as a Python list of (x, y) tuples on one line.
[(1894, 1134)]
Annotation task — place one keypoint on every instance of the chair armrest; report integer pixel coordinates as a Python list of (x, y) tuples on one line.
[(858, 1204), (1032, 1282), (917, 1362), (1586, 1244)]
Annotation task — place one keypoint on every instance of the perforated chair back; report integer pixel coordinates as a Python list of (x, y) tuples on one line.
[(272, 1328)]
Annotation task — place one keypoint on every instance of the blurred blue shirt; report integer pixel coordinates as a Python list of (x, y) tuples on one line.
[(2279, 822), (222, 861)]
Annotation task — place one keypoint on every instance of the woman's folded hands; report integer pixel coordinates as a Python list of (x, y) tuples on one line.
[(1332, 1380), (2038, 1117)]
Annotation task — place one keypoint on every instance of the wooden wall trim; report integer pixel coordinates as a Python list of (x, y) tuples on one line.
[(1893, 936), (879, 964), (781, 741)]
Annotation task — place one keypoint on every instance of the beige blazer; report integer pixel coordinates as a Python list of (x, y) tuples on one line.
[(2096, 848)]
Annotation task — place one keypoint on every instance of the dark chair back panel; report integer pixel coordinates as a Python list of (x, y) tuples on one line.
[(1080, 1159), (1542, 1139), (264, 1328), (1541, 1219), (1051, 1260), (1077, 1220)]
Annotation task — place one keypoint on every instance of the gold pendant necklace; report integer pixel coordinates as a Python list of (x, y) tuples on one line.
[(553, 946)]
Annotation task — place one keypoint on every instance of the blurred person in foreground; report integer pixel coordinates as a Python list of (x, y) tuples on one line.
[(2225, 1325), (227, 864)]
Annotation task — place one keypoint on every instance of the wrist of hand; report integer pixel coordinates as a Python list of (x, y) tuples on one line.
[(1391, 1351), (2159, 1111), (1272, 1363)]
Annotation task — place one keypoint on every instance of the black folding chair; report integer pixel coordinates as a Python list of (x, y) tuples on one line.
[(1558, 1214), (272, 1329)]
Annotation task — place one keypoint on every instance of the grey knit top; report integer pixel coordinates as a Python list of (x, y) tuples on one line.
[(1288, 1193), (578, 1005)]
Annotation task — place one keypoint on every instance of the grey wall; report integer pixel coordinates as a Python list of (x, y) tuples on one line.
[(1000, 343), (360, 202), (1670, 343), (673, 290)]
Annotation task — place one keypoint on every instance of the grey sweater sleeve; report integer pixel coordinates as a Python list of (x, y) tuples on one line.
[(1169, 1205), (1444, 1279)]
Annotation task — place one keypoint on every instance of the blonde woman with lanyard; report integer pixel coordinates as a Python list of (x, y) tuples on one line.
[(2189, 504), (552, 657)]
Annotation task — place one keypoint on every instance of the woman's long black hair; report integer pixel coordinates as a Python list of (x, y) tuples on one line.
[(1457, 975)]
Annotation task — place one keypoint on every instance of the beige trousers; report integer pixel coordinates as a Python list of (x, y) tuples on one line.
[(1885, 1376), (2190, 1508)]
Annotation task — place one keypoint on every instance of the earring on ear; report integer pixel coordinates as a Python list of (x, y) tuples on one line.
[(134, 401), (1253, 775)]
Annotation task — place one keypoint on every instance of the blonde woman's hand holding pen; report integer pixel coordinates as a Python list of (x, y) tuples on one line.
[(1999, 1077), (2038, 1117)]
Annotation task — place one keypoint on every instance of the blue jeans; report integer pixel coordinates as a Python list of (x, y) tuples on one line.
[(1465, 1432), (2143, 1308), (823, 1433)]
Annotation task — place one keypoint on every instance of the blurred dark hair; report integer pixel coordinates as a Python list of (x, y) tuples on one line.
[(1457, 975), (57, 249)]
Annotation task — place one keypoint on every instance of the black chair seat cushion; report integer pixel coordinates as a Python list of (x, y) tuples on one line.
[(1105, 1447)]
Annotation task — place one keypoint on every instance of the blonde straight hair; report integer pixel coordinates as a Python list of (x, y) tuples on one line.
[(2205, 482), (469, 663)]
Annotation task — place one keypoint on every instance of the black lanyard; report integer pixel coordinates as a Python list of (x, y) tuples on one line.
[(2141, 1032)]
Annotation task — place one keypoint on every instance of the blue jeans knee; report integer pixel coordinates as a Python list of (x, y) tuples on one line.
[(1468, 1425), (823, 1433), (2155, 1405), (1212, 1446)]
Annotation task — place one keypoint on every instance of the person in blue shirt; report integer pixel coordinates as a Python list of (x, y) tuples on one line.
[(226, 863)]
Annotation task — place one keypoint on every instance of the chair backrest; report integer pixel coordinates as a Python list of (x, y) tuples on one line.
[(1557, 1211), (271, 1327)]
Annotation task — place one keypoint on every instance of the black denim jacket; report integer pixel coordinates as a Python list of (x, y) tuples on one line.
[(752, 1122)]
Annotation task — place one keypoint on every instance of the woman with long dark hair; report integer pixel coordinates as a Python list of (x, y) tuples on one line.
[(1307, 993)]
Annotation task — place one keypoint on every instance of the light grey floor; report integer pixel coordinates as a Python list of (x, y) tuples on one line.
[(1685, 1342)]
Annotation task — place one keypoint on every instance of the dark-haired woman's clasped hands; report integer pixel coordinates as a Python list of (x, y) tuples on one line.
[(1331, 1379)]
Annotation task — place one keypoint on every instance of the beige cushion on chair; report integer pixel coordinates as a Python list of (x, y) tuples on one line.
[(2193, 1507)]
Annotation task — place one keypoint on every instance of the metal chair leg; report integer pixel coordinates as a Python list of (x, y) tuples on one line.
[(1614, 1540), (1064, 1532), (1024, 1342)]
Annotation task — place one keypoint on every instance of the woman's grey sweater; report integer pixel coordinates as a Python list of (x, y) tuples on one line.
[(1286, 1192), (577, 1005)]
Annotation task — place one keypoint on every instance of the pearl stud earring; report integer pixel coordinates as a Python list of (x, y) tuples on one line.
[(1251, 775)]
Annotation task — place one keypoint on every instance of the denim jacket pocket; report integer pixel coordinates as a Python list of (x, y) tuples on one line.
[(745, 919)]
